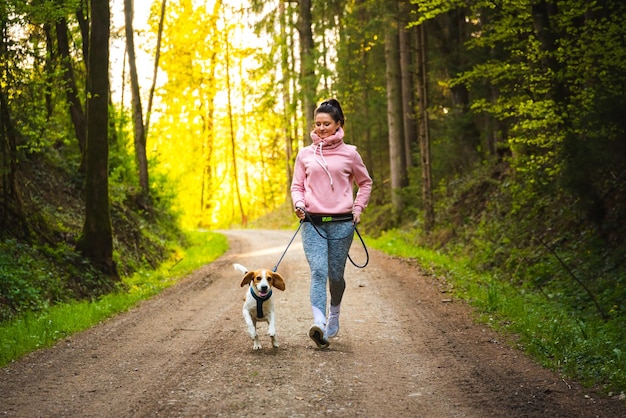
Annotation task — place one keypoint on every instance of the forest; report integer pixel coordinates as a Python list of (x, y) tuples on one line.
[(494, 132)]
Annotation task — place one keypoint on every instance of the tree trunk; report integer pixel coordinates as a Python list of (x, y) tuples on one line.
[(424, 131), (207, 186), (81, 12), (308, 83), (12, 205), (208, 176), (140, 135), (287, 105), (542, 12), (244, 218), (49, 68), (96, 242), (71, 91), (453, 37), (397, 163), (408, 89), (157, 56)]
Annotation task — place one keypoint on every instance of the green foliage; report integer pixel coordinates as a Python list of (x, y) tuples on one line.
[(39, 265), (545, 214), (542, 322), (31, 330), (534, 240), (35, 277), (18, 289), (29, 278), (47, 270)]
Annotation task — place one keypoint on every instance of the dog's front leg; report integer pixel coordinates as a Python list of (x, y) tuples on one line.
[(271, 330), (251, 323)]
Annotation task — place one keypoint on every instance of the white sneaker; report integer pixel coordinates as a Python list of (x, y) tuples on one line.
[(332, 325), (317, 334)]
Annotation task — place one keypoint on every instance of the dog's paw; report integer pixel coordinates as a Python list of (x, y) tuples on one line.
[(274, 342), (256, 346), (271, 332), (252, 333)]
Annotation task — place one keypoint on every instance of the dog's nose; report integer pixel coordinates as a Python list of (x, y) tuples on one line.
[(264, 288)]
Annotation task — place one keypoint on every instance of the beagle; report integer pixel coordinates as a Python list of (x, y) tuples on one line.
[(258, 304)]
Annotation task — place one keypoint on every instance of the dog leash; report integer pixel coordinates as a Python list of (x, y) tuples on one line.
[(367, 254), (355, 229), (288, 245)]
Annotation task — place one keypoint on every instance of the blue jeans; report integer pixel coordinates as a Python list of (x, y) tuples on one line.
[(327, 257)]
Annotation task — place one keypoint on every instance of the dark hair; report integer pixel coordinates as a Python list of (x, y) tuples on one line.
[(333, 108)]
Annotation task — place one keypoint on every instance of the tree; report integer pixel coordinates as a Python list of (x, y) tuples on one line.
[(407, 74), (286, 39), (11, 199), (71, 90), (308, 81), (157, 56), (397, 160), (96, 242), (186, 140), (360, 82), (140, 133), (449, 33), (208, 118), (231, 130), (424, 129), (279, 25)]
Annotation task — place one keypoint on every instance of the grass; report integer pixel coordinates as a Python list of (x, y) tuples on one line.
[(579, 345), (33, 331)]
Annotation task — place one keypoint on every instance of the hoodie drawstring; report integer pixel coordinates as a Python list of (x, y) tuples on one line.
[(323, 162)]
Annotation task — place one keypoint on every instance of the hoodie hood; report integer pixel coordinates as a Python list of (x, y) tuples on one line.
[(330, 142)]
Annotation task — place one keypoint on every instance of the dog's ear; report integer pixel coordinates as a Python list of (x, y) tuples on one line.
[(247, 278), (278, 281)]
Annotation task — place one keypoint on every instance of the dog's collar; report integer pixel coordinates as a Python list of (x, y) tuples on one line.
[(259, 301)]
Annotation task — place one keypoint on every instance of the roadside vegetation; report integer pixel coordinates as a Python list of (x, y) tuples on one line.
[(41, 328), (544, 324)]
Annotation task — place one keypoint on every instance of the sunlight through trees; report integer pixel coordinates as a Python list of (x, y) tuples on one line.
[(211, 117)]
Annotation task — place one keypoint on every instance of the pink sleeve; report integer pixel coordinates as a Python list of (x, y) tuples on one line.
[(297, 183), (364, 181)]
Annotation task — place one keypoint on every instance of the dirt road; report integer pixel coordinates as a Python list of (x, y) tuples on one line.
[(402, 351)]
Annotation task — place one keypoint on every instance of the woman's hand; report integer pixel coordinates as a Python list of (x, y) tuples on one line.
[(356, 214), (299, 212)]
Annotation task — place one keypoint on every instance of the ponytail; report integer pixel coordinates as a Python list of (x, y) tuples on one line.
[(333, 108)]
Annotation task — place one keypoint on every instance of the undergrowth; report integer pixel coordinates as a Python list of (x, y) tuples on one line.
[(42, 327), (577, 343)]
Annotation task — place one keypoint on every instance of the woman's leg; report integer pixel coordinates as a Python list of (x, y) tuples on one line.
[(316, 251), (338, 253), (338, 250)]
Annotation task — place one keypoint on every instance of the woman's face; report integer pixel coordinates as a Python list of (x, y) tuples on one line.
[(325, 125)]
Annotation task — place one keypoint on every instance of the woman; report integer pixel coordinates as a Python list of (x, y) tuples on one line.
[(323, 196)]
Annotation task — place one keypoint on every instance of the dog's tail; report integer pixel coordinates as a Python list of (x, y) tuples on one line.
[(240, 268)]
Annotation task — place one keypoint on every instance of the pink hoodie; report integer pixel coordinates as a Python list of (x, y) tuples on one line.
[(324, 176)]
